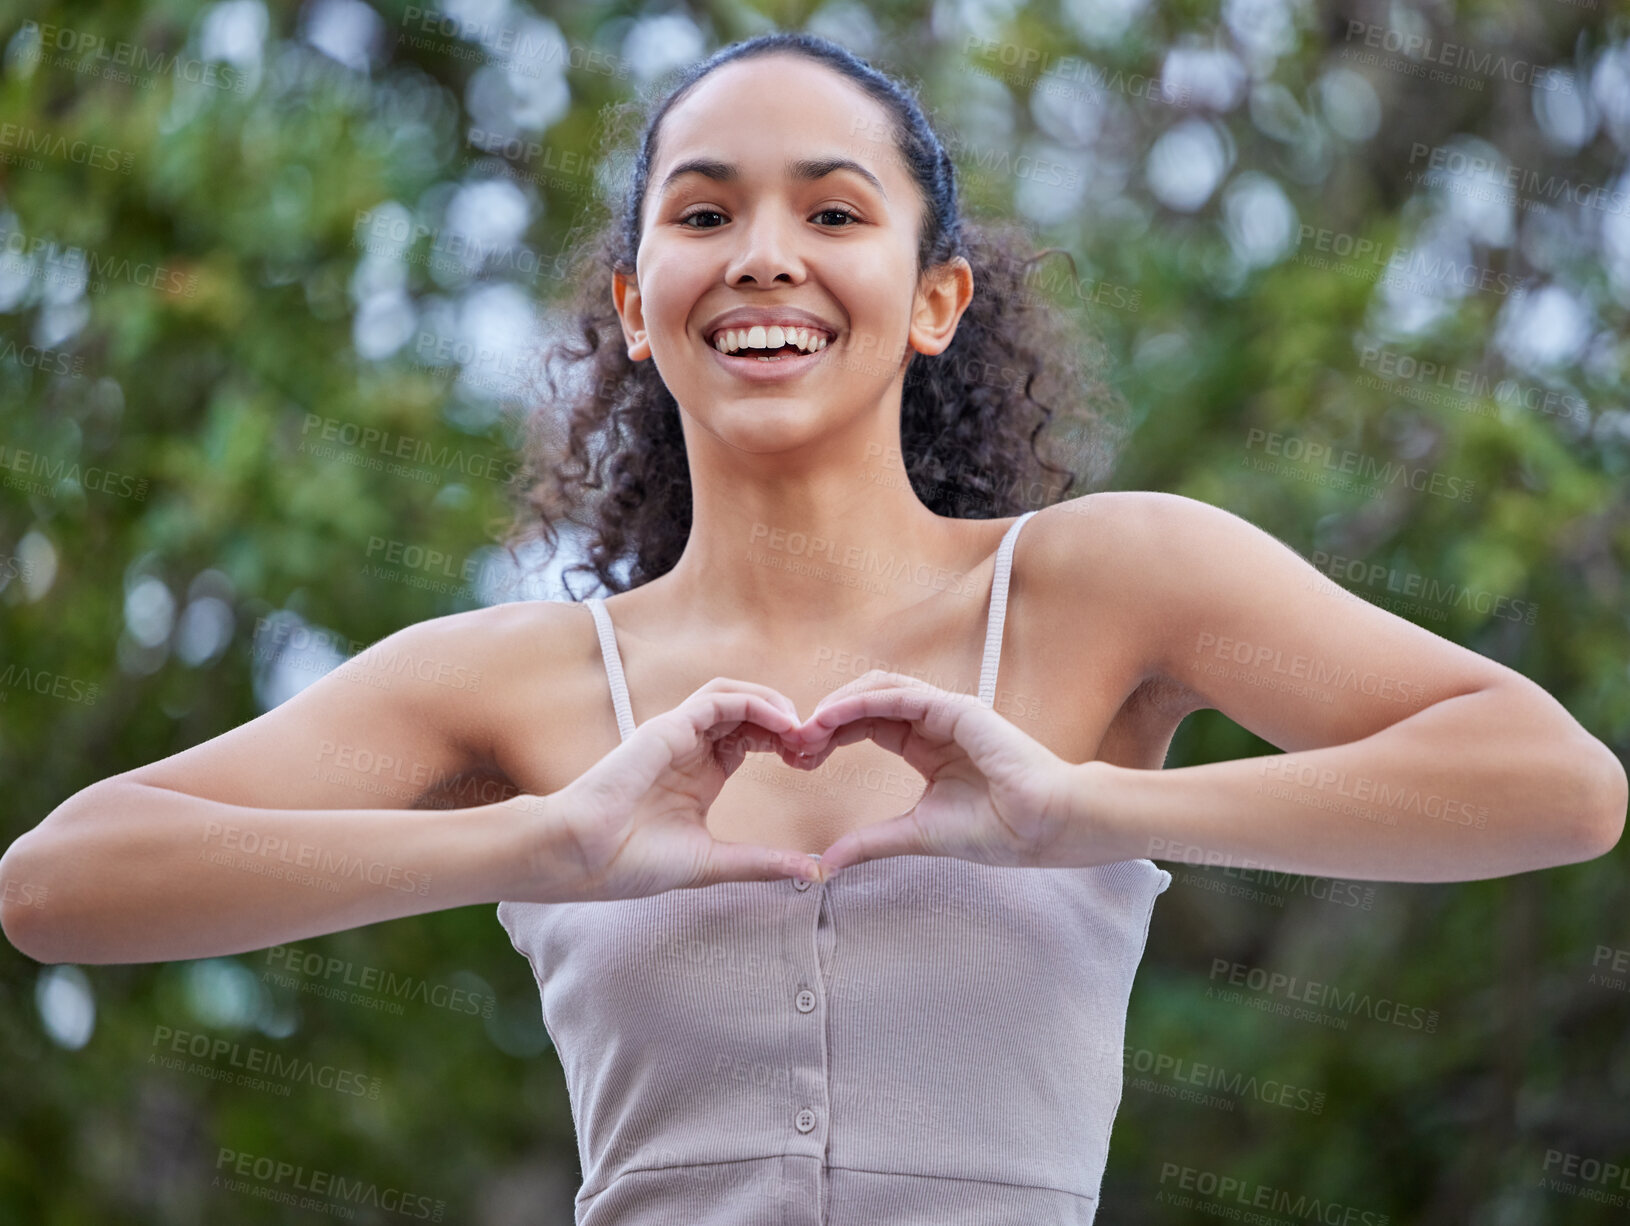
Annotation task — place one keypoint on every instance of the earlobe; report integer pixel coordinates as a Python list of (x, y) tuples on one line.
[(626, 298), (941, 305)]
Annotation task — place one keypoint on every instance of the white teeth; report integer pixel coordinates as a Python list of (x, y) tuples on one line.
[(773, 336)]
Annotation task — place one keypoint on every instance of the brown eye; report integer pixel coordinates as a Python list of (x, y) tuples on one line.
[(700, 213), (840, 213)]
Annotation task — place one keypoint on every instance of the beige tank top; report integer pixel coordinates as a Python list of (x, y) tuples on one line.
[(921, 1041)]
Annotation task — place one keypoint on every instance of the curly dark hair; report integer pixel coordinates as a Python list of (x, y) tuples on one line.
[(971, 417)]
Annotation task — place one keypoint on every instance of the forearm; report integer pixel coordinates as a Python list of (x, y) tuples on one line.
[(1470, 787), (133, 873)]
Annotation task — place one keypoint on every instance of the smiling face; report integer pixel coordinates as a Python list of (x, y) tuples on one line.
[(776, 195)]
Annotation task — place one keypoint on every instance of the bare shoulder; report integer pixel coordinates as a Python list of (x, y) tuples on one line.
[(1097, 552), (1210, 601), (529, 660)]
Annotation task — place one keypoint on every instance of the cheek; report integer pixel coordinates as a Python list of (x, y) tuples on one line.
[(671, 288)]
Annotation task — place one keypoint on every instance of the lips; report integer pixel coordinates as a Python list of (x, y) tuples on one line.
[(755, 368), (747, 317)]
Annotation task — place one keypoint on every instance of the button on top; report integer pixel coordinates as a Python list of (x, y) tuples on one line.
[(798, 883), (806, 1001), (805, 1120)]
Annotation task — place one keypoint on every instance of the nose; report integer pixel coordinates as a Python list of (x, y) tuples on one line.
[(765, 255)]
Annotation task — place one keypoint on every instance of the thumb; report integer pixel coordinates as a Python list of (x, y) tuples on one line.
[(899, 836), (751, 862)]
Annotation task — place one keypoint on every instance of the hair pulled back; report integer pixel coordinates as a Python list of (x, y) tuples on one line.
[(606, 454)]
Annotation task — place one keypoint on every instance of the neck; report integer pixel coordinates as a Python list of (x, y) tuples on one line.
[(814, 544)]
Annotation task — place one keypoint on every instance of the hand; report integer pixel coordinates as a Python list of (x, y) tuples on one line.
[(635, 823), (995, 795)]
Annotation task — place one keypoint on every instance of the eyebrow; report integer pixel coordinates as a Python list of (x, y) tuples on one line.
[(800, 168)]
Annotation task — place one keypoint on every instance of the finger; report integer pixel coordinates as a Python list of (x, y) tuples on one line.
[(734, 684), (876, 679), (894, 702), (705, 719), (718, 713), (751, 862), (891, 734), (732, 744), (898, 836), (932, 711)]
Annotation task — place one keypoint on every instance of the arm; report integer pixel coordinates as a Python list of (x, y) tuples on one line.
[(304, 821), (129, 872), (1408, 757)]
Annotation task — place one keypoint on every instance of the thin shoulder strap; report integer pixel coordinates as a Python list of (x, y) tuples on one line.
[(614, 665), (998, 612)]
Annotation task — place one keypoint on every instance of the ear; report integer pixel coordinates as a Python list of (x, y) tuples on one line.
[(625, 295), (943, 295)]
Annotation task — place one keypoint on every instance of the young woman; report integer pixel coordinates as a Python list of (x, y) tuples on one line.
[(883, 975)]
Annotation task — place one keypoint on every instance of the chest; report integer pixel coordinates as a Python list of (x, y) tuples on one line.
[(1083, 700)]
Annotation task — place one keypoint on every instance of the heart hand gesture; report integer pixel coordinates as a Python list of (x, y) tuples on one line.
[(995, 795), (635, 823)]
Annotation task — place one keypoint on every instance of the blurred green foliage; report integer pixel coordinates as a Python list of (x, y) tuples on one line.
[(226, 388)]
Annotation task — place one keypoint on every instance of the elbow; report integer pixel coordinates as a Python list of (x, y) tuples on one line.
[(35, 906), (1602, 816), (23, 898)]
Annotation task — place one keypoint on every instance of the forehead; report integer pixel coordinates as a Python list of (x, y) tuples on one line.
[(760, 112)]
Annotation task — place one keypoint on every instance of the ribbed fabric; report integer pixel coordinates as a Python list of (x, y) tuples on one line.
[(921, 1041)]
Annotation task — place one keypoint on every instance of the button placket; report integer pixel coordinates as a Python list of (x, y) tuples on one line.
[(808, 1092)]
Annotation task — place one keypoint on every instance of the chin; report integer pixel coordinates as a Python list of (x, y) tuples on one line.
[(768, 423)]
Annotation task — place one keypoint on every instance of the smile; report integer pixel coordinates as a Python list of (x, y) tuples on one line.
[(759, 366)]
